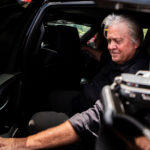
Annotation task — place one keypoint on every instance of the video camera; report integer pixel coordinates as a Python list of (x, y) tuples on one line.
[(126, 99)]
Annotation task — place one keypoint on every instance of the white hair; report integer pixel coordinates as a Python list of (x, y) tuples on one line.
[(135, 30)]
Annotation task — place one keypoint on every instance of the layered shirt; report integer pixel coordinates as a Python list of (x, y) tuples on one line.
[(89, 121)]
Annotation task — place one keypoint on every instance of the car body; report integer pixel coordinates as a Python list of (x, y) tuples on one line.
[(34, 76)]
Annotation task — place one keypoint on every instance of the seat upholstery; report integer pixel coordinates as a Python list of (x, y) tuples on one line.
[(62, 66), (61, 57)]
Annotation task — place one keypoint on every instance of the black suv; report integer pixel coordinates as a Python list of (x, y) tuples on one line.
[(40, 56), (41, 64)]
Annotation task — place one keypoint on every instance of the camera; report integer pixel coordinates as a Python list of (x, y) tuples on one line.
[(126, 99)]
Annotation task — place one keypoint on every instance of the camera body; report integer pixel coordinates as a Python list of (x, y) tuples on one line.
[(134, 91), (125, 101), (129, 94)]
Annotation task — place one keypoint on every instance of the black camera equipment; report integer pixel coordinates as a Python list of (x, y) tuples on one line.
[(125, 101)]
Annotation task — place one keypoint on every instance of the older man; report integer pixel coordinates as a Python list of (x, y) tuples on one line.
[(124, 40), (124, 37)]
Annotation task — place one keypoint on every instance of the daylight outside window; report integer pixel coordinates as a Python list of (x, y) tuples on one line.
[(82, 29)]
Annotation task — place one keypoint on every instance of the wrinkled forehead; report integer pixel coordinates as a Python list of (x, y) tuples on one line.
[(120, 29)]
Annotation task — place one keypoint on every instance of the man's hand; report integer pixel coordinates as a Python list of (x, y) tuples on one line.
[(60, 135), (143, 143), (12, 143), (4, 144), (85, 48), (93, 52)]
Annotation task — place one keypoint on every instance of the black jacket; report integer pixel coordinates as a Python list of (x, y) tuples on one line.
[(106, 75), (88, 122)]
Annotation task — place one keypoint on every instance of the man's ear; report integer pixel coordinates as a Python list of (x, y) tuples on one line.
[(137, 44)]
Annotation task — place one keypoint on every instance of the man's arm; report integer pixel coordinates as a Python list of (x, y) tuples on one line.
[(94, 52), (66, 133), (58, 136)]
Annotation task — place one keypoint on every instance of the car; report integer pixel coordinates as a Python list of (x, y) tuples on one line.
[(40, 57)]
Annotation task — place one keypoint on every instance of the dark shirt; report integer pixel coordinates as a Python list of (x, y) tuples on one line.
[(88, 122), (106, 75)]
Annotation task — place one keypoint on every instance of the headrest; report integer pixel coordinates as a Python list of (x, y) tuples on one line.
[(64, 39)]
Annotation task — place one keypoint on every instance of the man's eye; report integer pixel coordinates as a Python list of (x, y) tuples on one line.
[(118, 41)]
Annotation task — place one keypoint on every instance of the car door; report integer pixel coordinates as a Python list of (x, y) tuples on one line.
[(15, 21)]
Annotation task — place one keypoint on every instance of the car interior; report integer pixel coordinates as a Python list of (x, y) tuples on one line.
[(43, 67), (57, 64)]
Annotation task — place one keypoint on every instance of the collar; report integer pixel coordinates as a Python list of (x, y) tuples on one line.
[(123, 67)]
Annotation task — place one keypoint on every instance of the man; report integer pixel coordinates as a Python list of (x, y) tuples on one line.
[(124, 45), (124, 39)]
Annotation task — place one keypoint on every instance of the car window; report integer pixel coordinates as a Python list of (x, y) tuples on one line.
[(90, 42), (82, 29), (145, 31)]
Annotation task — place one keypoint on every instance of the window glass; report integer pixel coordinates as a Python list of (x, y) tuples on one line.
[(145, 31), (82, 29), (90, 42)]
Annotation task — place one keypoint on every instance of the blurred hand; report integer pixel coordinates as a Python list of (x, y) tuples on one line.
[(143, 143), (13, 144), (85, 48), (6, 143)]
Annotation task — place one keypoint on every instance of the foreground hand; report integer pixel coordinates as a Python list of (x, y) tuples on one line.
[(143, 143), (12, 143), (7, 144)]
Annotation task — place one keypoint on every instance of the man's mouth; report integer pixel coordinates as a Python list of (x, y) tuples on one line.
[(113, 52)]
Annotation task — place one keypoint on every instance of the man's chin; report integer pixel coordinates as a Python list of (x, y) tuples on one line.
[(116, 60)]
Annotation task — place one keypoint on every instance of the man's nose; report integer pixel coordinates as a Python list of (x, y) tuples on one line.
[(112, 45)]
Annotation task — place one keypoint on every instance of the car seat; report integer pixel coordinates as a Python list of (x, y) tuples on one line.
[(61, 57), (61, 66)]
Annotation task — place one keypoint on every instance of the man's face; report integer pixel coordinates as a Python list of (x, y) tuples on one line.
[(120, 46)]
